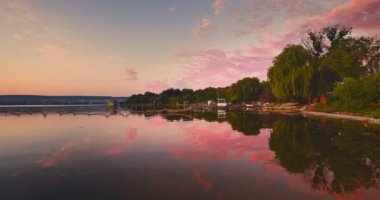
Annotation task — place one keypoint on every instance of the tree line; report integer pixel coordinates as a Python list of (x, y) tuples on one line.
[(243, 91)]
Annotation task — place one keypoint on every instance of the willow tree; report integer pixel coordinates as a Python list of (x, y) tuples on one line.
[(292, 73)]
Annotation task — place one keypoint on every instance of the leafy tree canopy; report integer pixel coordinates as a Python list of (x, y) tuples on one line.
[(291, 74)]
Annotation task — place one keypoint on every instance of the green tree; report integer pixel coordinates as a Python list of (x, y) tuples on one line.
[(245, 90), (169, 96), (146, 98), (188, 95), (266, 94), (319, 42), (354, 57), (355, 94), (205, 94), (350, 94), (291, 76)]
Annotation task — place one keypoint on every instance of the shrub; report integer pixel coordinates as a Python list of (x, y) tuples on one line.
[(358, 94)]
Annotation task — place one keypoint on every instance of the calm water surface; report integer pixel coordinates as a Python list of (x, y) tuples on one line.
[(237, 156)]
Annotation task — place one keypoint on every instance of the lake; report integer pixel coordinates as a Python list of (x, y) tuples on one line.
[(100, 154)]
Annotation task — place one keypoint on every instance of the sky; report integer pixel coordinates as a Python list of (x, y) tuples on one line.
[(123, 47)]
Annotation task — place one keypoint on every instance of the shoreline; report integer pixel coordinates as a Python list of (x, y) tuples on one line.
[(363, 119), (301, 111)]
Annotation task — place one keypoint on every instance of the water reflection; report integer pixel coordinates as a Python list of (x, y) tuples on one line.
[(248, 124), (334, 156), (45, 110), (187, 156)]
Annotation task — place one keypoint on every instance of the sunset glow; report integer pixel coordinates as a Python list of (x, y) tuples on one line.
[(118, 48)]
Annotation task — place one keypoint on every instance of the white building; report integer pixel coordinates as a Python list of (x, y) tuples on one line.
[(222, 103)]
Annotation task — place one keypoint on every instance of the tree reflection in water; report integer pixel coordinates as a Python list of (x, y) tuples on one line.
[(333, 155)]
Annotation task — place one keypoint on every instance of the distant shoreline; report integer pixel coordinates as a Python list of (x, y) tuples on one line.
[(31, 100)]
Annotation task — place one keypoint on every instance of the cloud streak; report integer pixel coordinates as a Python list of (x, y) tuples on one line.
[(59, 54), (53, 51), (131, 74), (363, 15), (203, 27), (219, 68)]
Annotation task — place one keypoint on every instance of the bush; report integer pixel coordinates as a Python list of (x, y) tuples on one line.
[(372, 85), (351, 94), (358, 94)]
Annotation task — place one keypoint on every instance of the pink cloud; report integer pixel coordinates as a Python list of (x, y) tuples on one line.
[(219, 6), (53, 51), (266, 51), (219, 68), (361, 14), (203, 27), (300, 15)]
